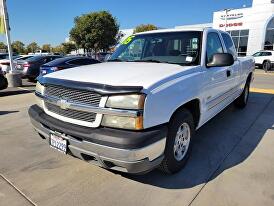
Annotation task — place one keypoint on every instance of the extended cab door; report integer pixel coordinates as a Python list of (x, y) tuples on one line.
[(235, 69), (219, 81)]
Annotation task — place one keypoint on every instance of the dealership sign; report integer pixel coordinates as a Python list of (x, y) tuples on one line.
[(232, 16), (231, 24), (236, 17)]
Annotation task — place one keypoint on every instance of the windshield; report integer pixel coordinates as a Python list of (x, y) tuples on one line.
[(257, 54), (173, 47)]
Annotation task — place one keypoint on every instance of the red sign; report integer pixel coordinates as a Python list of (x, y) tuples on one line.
[(231, 24)]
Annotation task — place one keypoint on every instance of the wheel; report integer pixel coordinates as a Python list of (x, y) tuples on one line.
[(179, 142), (242, 100), (266, 66)]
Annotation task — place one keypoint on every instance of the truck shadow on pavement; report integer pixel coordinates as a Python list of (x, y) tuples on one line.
[(15, 92), (215, 144), (7, 112)]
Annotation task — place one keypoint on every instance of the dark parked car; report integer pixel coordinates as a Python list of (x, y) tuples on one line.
[(6, 55), (65, 63), (3, 81), (31, 67), (103, 56)]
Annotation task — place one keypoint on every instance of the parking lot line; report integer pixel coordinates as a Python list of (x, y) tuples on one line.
[(17, 190), (22, 88), (265, 91), (263, 73)]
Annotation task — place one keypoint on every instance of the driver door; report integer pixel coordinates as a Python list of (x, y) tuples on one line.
[(218, 80)]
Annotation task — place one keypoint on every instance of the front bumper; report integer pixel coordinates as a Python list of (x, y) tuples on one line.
[(126, 151)]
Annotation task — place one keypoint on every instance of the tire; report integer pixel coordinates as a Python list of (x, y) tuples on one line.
[(242, 100), (173, 161), (266, 66)]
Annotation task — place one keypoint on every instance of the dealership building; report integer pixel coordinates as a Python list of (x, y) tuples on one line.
[(252, 28)]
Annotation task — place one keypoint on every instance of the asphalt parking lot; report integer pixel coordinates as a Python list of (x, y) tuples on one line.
[(231, 163)]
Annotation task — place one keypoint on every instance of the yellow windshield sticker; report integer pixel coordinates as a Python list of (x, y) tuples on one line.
[(128, 40)]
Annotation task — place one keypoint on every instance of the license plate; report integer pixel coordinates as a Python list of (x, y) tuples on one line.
[(18, 66), (58, 143), (44, 72)]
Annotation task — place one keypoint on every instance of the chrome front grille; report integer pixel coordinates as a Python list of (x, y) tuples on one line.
[(69, 113), (74, 95)]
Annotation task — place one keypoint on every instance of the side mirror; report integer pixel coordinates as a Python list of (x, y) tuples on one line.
[(221, 60)]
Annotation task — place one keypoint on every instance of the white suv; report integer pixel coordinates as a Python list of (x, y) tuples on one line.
[(264, 59)]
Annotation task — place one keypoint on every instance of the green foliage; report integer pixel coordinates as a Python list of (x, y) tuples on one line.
[(58, 49), (95, 31), (144, 27), (18, 47), (32, 47), (68, 47), (64, 48), (3, 46), (46, 47)]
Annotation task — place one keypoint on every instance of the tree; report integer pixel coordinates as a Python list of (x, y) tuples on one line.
[(94, 31), (32, 47), (58, 49), (18, 47), (46, 47), (144, 27), (3, 46), (68, 47)]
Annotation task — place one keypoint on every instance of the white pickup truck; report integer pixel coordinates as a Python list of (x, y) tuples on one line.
[(140, 110)]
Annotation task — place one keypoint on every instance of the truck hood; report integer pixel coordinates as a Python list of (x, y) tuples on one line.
[(121, 73)]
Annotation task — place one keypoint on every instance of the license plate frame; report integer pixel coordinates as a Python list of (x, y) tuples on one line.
[(58, 142)]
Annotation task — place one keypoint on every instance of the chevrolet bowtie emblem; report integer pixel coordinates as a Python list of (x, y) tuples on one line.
[(63, 104)]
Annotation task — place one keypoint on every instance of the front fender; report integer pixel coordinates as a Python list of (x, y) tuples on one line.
[(162, 101)]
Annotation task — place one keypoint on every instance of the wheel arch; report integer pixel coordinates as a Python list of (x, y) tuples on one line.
[(194, 106), (266, 60), (249, 77)]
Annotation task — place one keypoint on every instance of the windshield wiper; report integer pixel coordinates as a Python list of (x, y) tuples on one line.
[(115, 60), (151, 60), (156, 61)]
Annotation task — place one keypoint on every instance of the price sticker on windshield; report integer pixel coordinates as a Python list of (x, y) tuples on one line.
[(128, 40)]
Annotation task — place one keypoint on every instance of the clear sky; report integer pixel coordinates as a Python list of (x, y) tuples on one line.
[(49, 21)]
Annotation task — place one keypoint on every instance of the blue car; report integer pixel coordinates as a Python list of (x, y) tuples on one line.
[(66, 63)]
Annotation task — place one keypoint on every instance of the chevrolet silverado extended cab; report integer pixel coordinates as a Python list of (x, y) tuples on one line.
[(140, 110)]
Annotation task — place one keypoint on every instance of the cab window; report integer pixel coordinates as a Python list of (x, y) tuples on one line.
[(213, 46), (229, 45)]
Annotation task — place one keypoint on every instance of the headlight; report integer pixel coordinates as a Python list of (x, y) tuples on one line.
[(134, 101), (40, 88), (134, 123)]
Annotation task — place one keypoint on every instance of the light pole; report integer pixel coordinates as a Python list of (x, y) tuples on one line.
[(226, 13)]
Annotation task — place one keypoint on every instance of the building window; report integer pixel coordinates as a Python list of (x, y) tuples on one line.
[(240, 39), (269, 37)]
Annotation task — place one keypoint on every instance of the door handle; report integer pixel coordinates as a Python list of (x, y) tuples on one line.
[(228, 73)]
